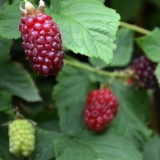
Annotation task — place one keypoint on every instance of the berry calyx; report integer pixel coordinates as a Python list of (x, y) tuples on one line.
[(144, 71), (100, 109), (21, 137), (41, 40)]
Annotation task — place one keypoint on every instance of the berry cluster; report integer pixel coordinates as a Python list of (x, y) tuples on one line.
[(100, 109), (21, 137), (144, 71), (42, 43)]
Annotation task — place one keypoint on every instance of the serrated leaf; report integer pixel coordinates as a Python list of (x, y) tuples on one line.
[(5, 46), (157, 72), (150, 44), (10, 18), (123, 52), (102, 1), (98, 63), (133, 115), (44, 145), (71, 121), (73, 86), (93, 147), (70, 94), (87, 27), (18, 82), (152, 148), (5, 102), (14, 79), (55, 4)]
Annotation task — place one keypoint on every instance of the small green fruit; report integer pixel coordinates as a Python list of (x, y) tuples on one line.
[(21, 137)]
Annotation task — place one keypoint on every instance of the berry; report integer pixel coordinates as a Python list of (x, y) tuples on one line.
[(100, 109), (144, 71), (130, 81), (41, 40), (21, 137)]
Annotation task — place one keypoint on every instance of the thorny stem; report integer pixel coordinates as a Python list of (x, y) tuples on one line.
[(78, 64), (135, 28)]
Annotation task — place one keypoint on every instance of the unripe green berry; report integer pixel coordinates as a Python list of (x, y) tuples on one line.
[(21, 137)]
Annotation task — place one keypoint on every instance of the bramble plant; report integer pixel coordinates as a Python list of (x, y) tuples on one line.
[(69, 66)]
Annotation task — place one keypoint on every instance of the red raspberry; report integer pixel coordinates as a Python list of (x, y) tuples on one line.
[(100, 109), (144, 71), (41, 40)]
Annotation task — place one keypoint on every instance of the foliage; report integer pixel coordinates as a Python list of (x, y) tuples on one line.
[(99, 51)]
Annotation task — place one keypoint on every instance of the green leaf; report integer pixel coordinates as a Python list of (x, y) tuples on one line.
[(5, 103), (87, 27), (1, 3), (133, 115), (71, 120), (110, 146), (152, 148), (14, 79), (55, 4), (102, 1), (5, 46), (157, 72), (98, 63), (73, 86), (17, 82), (150, 44), (123, 52), (10, 18), (44, 145), (70, 94)]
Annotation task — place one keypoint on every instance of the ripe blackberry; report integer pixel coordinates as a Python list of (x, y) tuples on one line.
[(41, 40), (21, 137), (144, 71), (100, 109)]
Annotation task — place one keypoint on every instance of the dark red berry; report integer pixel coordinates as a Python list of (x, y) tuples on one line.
[(100, 109), (41, 41), (144, 70)]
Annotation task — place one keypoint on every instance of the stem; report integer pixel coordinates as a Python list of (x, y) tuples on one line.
[(75, 63), (135, 28), (25, 1)]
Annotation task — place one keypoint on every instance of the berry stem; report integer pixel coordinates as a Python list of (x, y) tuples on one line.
[(25, 1), (75, 63), (135, 28)]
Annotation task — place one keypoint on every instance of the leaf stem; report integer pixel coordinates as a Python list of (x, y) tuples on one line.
[(87, 67), (135, 28)]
